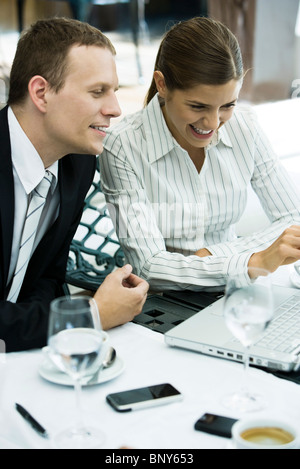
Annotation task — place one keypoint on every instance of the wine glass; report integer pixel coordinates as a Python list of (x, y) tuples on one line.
[(75, 343), (248, 309)]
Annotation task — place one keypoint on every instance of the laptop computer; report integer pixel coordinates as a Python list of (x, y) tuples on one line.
[(207, 333)]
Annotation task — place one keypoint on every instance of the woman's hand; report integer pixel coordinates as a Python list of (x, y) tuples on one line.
[(285, 250)]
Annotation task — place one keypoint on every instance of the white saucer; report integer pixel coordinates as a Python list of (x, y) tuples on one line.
[(295, 278), (50, 372)]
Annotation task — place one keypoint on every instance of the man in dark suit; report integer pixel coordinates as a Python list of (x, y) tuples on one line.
[(62, 97)]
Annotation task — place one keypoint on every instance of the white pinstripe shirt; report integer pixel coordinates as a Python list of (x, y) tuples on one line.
[(164, 210)]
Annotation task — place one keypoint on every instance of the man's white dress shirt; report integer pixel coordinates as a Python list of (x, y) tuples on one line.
[(164, 210), (28, 171)]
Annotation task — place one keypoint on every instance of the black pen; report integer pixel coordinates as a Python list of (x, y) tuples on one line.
[(34, 424)]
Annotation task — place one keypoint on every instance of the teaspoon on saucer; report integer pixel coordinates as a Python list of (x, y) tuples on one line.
[(107, 362), (109, 357)]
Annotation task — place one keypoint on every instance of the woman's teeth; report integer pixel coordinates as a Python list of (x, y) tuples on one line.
[(200, 131)]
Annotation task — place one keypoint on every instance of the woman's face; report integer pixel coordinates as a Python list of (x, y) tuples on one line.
[(194, 115)]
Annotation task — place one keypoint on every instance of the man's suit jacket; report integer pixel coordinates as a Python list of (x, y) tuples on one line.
[(23, 325)]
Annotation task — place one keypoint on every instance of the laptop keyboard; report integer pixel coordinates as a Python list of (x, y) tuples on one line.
[(283, 332)]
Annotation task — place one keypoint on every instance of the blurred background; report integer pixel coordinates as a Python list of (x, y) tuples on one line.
[(268, 32)]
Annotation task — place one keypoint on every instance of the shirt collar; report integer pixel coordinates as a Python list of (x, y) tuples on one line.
[(222, 135), (26, 160), (159, 138)]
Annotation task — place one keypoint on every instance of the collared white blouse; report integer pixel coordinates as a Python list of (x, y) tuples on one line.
[(164, 210)]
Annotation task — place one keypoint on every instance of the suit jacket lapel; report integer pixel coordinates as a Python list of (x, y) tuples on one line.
[(6, 198), (68, 177)]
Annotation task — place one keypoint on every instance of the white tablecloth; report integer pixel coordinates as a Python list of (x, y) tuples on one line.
[(148, 360)]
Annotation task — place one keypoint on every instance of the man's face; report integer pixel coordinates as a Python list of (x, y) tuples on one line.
[(78, 115)]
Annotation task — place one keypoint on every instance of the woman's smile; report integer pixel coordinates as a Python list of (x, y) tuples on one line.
[(201, 134)]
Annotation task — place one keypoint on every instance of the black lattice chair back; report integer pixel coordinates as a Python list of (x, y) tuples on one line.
[(95, 250)]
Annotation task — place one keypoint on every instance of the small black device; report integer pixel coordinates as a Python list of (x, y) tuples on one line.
[(139, 398), (215, 424)]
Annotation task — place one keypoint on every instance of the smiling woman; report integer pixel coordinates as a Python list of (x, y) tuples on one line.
[(176, 174), (193, 123)]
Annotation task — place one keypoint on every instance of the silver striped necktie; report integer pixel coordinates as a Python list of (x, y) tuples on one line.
[(35, 208)]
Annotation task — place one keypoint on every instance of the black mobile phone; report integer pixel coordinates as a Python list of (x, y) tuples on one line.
[(143, 397), (215, 424)]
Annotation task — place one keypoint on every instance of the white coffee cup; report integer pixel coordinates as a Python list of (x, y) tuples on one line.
[(265, 433)]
